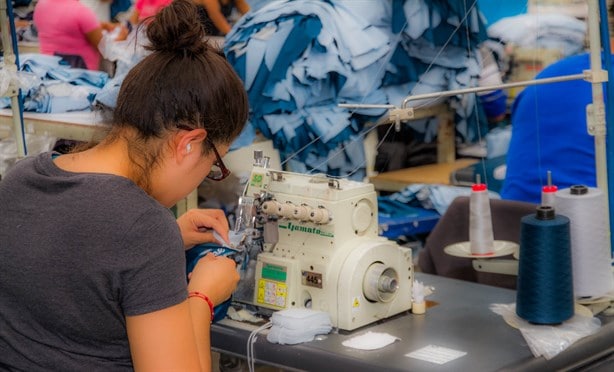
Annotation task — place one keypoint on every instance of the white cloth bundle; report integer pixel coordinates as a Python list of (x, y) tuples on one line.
[(294, 326)]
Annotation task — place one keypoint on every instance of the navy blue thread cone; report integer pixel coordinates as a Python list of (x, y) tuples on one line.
[(545, 282)]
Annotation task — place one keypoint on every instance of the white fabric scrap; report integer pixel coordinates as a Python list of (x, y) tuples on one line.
[(243, 315), (370, 341)]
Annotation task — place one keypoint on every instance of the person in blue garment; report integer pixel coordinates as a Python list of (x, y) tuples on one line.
[(549, 133)]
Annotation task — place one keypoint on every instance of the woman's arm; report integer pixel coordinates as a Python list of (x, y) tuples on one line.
[(134, 17), (215, 14), (93, 37), (178, 337), (175, 338), (242, 6)]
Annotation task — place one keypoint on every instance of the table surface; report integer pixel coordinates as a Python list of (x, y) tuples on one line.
[(89, 118), (77, 125), (460, 320)]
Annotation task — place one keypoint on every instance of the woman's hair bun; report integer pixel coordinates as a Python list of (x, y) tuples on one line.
[(177, 29)]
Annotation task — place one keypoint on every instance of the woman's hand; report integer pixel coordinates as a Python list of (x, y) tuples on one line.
[(197, 226), (121, 31), (215, 276)]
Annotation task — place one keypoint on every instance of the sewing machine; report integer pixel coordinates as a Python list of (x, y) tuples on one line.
[(320, 248)]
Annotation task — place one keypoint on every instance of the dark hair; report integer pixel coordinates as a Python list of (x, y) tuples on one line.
[(183, 82)]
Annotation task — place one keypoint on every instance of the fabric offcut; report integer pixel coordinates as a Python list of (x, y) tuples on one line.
[(295, 326), (370, 341), (350, 52)]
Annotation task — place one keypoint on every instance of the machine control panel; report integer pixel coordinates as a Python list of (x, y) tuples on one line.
[(272, 288)]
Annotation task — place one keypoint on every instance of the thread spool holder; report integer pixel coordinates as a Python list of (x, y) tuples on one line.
[(496, 266), (485, 258)]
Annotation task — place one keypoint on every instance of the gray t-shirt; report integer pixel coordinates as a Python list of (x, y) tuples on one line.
[(78, 253)]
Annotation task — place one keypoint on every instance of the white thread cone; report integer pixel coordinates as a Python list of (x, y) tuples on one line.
[(481, 239), (590, 242)]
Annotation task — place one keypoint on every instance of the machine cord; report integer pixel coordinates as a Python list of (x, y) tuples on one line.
[(251, 340)]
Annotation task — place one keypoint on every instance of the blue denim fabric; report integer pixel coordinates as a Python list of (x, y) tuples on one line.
[(350, 52)]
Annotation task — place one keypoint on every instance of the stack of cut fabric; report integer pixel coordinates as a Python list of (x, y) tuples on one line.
[(549, 31), (300, 59), (51, 86), (295, 326), (438, 51)]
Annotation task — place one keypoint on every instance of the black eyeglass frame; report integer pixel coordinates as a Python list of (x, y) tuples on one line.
[(224, 172)]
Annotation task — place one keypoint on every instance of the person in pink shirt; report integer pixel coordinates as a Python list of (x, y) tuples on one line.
[(69, 29), (147, 8)]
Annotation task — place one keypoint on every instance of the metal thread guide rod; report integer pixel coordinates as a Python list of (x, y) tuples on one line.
[(10, 64)]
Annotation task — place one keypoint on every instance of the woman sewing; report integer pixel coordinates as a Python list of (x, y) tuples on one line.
[(92, 265)]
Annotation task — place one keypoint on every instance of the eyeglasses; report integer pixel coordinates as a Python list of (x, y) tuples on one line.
[(218, 169)]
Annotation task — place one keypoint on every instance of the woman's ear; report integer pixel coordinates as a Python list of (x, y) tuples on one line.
[(188, 142)]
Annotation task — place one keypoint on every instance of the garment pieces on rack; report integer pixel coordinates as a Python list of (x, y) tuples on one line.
[(56, 87), (346, 52)]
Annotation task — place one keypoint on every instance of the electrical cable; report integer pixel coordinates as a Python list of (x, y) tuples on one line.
[(251, 340)]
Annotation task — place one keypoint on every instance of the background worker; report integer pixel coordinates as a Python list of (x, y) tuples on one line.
[(71, 30), (550, 132), (147, 8), (215, 14)]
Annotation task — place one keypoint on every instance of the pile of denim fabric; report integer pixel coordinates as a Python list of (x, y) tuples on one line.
[(50, 86), (300, 59)]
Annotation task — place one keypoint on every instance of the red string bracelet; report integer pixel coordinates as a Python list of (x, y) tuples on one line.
[(204, 297)]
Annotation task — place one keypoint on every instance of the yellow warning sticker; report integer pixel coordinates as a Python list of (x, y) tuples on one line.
[(356, 303)]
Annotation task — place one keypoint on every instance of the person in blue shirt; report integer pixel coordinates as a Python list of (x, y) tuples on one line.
[(549, 133)]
